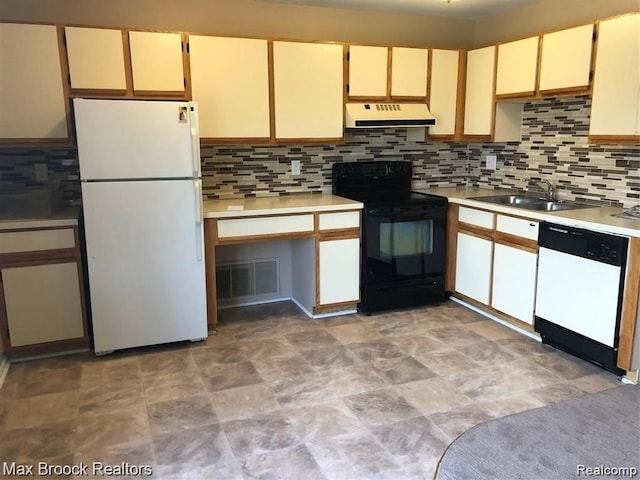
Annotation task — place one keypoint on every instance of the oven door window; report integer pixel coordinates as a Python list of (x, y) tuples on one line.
[(404, 246), (406, 239)]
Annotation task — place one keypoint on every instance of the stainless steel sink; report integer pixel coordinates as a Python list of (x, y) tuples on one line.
[(532, 203)]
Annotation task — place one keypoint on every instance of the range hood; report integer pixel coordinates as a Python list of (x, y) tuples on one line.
[(371, 115)]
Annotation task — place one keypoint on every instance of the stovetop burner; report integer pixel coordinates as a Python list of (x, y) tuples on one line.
[(379, 183)]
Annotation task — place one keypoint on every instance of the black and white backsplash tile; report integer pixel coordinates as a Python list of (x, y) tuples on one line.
[(554, 146), (261, 171)]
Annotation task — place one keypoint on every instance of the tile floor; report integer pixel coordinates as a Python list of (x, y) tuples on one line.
[(276, 395)]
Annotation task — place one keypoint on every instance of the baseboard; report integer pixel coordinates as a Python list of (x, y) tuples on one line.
[(4, 369), (533, 335)]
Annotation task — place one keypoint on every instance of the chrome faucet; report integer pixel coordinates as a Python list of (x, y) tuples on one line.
[(548, 188)]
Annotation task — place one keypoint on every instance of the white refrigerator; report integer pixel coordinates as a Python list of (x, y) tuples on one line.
[(142, 206)]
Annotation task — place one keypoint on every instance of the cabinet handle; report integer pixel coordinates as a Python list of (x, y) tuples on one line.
[(532, 224)]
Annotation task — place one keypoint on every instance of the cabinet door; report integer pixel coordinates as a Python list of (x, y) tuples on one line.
[(443, 94), (565, 59), (368, 67), (32, 97), (517, 67), (473, 267), (96, 58), (339, 270), (43, 303), (230, 83), (409, 72), (156, 62), (514, 282), (478, 107), (308, 90), (616, 89)]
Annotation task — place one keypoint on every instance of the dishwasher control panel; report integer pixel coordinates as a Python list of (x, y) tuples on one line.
[(600, 247), (604, 251)]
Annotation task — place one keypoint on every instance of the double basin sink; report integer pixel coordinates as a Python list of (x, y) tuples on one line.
[(532, 203)]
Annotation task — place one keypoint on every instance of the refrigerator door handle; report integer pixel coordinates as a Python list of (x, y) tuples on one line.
[(197, 184), (195, 138)]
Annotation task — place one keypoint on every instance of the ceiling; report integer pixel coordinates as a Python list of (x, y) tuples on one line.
[(461, 9)]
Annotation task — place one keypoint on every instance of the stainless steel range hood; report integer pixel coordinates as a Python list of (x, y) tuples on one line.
[(380, 115)]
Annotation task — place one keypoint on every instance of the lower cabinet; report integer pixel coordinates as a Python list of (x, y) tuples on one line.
[(473, 267), (339, 271), (43, 303), (496, 262), (323, 256), (41, 292), (514, 282)]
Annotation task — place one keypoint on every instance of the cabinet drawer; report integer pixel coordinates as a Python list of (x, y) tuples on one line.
[(476, 217), (256, 226), (334, 221), (12, 242), (519, 227)]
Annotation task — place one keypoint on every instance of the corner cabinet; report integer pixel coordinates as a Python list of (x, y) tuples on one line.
[(230, 83), (41, 292), (308, 91), (615, 108), (32, 93), (496, 259)]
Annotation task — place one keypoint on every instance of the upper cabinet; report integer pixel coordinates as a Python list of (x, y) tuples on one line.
[(368, 71), (308, 81), (96, 58), (480, 85), (230, 83), (409, 69), (517, 67), (443, 96), (32, 94), (615, 108), (157, 63), (384, 73), (115, 63), (565, 60)]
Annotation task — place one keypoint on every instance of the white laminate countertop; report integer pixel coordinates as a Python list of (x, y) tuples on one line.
[(597, 218), (67, 217), (286, 204)]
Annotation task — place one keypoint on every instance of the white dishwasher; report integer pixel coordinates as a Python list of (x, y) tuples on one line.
[(579, 292)]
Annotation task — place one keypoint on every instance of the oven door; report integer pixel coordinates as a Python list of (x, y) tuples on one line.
[(403, 242)]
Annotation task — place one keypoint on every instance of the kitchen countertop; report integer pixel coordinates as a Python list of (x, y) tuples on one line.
[(597, 218), (287, 204), (67, 217)]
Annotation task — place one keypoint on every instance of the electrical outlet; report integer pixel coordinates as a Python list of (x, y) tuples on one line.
[(490, 162), (42, 175), (295, 167)]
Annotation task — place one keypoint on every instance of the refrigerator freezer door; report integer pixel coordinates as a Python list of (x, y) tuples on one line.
[(145, 263), (132, 139)]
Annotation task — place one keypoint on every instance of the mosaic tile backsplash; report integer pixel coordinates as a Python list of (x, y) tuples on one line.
[(554, 146)]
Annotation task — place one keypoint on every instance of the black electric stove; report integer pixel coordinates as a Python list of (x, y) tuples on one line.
[(403, 235)]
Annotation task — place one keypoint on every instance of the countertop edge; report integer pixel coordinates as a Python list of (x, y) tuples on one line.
[(324, 203), (70, 220), (578, 218)]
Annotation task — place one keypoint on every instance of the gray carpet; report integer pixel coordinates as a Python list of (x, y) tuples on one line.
[(550, 443)]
